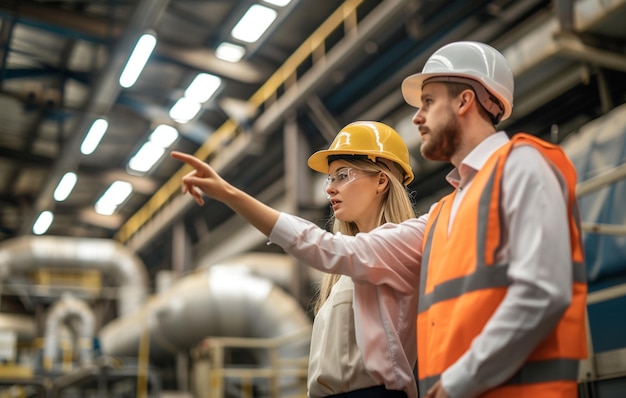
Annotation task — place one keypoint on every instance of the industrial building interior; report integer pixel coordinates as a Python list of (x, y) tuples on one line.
[(153, 295)]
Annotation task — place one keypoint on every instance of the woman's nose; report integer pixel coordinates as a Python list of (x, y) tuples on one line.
[(330, 190)]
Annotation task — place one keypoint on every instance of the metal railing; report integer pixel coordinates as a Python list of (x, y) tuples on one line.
[(281, 376)]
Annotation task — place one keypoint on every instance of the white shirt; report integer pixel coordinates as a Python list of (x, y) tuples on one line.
[(384, 302), (335, 361), (536, 248)]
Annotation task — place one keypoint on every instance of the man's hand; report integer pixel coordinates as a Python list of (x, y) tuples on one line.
[(436, 391)]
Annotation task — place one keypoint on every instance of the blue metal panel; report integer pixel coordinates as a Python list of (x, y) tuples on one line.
[(599, 147), (596, 149)]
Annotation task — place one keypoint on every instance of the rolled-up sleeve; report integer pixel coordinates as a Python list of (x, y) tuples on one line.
[(390, 254)]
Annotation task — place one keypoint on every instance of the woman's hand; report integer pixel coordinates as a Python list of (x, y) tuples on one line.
[(203, 178)]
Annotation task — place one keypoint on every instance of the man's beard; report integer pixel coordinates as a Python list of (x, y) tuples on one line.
[(442, 144)]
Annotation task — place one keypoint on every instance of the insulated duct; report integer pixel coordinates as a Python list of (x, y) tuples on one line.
[(29, 253), (222, 301), (280, 268), (79, 318)]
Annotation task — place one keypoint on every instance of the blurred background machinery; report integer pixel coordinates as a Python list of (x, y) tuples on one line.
[(151, 295)]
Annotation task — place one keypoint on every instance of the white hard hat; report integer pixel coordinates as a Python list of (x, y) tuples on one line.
[(476, 61)]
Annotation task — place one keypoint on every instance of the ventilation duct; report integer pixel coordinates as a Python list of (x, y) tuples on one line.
[(221, 301), (280, 268), (30, 253), (79, 318)]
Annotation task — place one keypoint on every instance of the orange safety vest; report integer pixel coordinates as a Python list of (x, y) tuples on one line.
[(464, 287)]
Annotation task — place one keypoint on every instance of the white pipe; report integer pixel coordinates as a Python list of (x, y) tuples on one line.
[(65, 311), (602, 180), (221, 301), (29, 253)]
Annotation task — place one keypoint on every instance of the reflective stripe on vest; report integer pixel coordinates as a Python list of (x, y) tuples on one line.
[(487, 276)]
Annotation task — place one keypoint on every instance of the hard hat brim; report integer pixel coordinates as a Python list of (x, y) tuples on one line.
[(319, 161), (412, 89)]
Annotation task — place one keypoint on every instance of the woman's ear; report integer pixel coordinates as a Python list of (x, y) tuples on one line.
[(383, 182)]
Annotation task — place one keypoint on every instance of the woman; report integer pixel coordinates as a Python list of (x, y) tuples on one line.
[(363, 340)]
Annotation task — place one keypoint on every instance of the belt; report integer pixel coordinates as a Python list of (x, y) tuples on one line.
[(370, 392)]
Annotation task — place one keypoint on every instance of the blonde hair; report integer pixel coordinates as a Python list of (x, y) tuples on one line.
[(395, 207)]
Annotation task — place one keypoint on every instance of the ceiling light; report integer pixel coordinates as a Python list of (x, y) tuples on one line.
[(254, 23), (93, 137), (146, 157), (115, 195), (152, 150), (65, 187), (184, 110), (43, 222), (279, 3), (137, 60), (203, 87), (230, 52), (164, 135)]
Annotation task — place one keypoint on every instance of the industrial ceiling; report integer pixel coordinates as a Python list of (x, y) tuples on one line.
[(320, 65)]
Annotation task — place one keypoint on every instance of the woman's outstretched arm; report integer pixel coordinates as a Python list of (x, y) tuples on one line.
[(203, 178)]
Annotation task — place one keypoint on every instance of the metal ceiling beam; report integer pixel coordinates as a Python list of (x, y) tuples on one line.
[(319, 75), (80, 26), (106, 90), (316, 77), (73, 24), (28, 158), (204, 59)]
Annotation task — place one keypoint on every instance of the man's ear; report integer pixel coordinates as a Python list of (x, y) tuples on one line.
[(466, 99)]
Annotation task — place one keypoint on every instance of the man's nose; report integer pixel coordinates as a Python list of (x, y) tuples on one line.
[(418, 118)]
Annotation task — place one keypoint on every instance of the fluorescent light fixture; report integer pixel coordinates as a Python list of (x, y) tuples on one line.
[(254, 23), (137, 60), (65, 187), (164, 135), (184, 110), (230, 52), (146, 157), (43, 222), (115, 195), (151, 151), (278, 3), (93, 137), (203, 87)]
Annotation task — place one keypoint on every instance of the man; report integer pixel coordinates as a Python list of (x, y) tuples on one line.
[(502, 291), (502, 287)]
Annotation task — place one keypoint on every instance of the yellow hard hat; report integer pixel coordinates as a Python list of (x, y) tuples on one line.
[(375, 140)]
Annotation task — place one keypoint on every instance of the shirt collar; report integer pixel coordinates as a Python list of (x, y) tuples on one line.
[(475, 160)]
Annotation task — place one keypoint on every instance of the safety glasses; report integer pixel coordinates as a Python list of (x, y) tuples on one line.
[(344, 177)]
